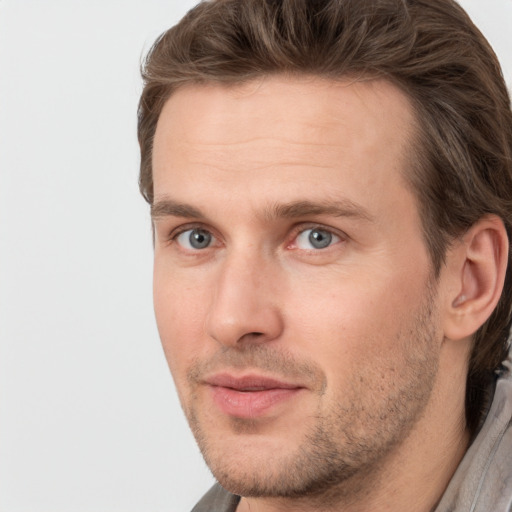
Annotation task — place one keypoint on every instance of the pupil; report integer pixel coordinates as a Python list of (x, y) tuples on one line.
[(320, 239), (200, 239)]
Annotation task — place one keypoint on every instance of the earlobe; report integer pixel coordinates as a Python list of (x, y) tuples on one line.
[(477, 265)]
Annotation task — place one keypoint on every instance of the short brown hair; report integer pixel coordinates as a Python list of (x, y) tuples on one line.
[(462, 163)]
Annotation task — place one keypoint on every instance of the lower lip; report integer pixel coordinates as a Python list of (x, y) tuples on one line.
[(250, 404)]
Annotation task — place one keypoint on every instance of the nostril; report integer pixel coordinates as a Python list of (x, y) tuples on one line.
[(251, 337)]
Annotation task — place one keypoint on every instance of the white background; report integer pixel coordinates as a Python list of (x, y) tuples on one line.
[(89, 420)]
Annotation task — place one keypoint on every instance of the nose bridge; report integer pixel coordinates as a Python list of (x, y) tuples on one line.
[(243, 303)]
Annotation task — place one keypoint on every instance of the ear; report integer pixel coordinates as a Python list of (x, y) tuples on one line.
[(474, 272)]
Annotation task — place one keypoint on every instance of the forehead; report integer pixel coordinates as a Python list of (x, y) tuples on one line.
[(301, 105), (281, 131)]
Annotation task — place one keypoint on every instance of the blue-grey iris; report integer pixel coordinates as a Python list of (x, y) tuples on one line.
[(320, 239), (199, 238)]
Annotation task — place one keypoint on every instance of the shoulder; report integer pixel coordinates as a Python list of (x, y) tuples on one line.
[(483, 480)]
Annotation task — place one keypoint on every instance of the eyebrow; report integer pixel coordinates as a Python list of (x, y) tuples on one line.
[(295, 209), (338, 208), (171, 208)]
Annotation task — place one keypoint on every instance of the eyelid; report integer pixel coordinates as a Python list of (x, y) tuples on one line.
[(175, 232), (187, 243), (300, 228), (181, 228), (296, 230)]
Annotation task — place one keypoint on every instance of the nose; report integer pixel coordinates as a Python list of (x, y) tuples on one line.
[(244, 306)]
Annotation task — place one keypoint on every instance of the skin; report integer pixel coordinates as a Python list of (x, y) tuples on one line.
[(376, 420)]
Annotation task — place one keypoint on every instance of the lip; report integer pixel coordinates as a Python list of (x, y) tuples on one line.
[(249, 396)]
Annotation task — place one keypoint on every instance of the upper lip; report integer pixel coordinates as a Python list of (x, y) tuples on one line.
[(250, 382)]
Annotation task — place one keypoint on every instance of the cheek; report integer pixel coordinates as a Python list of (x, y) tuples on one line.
[(179, 311), (347, 324)]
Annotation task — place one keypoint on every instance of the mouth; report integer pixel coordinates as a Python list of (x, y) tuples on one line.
[(250, 396)]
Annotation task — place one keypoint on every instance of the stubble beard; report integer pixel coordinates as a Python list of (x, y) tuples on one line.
[(344, 452)]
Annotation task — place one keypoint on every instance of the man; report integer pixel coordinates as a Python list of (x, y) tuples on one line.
[(330, 185)]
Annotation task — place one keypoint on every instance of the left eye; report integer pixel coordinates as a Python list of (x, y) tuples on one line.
[(195, 239), (316, 238)]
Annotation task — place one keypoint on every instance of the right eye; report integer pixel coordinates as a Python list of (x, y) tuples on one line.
[(195, 239)]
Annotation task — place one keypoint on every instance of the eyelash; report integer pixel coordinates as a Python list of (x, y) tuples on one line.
[(294, 234), (302, 228), (176, 232)]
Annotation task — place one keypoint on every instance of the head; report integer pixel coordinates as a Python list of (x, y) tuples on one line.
[(457, 154)]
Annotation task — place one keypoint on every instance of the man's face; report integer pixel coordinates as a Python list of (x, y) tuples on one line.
[(292, 287)]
